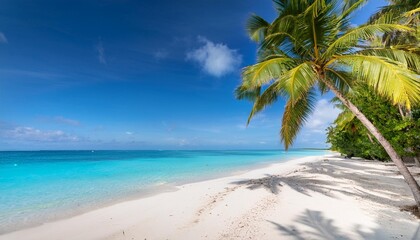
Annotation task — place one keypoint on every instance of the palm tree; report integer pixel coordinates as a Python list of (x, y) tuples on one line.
[(312, 46), (403, 12)]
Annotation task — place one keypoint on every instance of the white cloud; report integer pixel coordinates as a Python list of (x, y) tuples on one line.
[(33, 134), (3, 38), (129, 133), (325, 113), (216, 59), (101, 52)]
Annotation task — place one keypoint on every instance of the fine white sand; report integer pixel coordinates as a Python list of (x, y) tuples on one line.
[(308, 198)]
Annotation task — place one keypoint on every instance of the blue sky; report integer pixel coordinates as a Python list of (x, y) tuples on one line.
[(123, 74)]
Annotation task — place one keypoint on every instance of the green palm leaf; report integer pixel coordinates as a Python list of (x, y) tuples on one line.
[(257, 28), (262, 73), (316, 7), (407, 59), (291, 84), (283, 24), (412, 12), (295, 115), (388, 78), (343, 80), (250, 94), (268, 97), (298, 80), (350, 6), (351, 38)]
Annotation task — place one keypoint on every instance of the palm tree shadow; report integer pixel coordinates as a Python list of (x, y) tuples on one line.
[(273, 184), (319, 227), (351, 178)]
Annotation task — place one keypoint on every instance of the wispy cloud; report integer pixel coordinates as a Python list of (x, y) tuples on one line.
[(36, 135), (59, 120), (129, 133), (3, 38), (216, 59), (101, 52)]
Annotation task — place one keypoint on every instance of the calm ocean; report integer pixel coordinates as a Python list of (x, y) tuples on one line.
[(41, 186)]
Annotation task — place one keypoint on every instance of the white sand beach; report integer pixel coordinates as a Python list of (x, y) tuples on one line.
[(308, 198)]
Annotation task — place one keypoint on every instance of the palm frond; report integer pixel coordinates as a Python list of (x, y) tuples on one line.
[(292, 84), (342, 80), (283, 24), (280, 5), (250, 94), (268, 53), (267, 98), (350, 6), (412, 12), (298, 80), (338, 103), (315, 8), (389, 79), (295, 114), (351, 38), (322, 88), (407, 59), (257, 28), (262, 73), (275, 39)]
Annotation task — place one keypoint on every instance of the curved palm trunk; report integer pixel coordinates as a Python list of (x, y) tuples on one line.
[(412, 183)]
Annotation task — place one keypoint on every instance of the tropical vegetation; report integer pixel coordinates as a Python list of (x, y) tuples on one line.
[(348, 136), (312, 46)]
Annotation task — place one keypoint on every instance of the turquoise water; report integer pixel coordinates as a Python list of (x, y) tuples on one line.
[(40, 186)]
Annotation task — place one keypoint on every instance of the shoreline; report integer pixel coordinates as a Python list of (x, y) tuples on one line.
[(150, 191), (186, 213)]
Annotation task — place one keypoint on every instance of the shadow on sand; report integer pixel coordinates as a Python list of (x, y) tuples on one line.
[(367, 182), (319, 227), (353, 178)]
